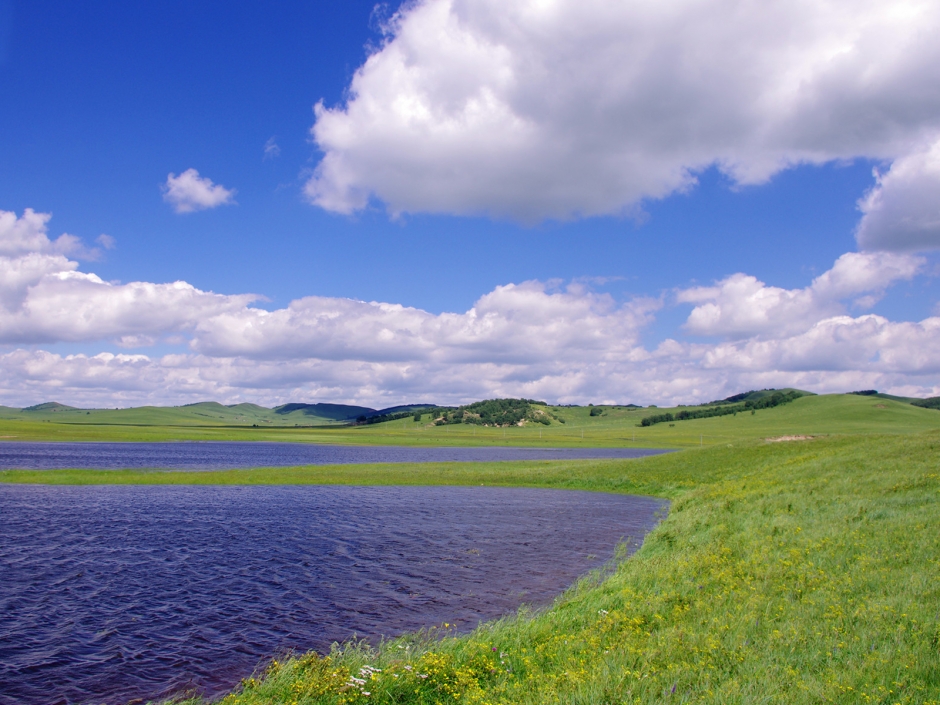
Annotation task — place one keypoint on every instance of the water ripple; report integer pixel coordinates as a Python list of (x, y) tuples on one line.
[(116, 593), (218, 455)]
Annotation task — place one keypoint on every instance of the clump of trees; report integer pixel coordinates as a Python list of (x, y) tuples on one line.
[(382, 418), (929, 403), (768, 402), (496, 412)]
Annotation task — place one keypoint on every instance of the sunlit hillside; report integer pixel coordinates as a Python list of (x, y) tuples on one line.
[(570, 426)]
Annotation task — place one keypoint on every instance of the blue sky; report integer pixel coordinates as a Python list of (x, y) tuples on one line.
[(512, 171)]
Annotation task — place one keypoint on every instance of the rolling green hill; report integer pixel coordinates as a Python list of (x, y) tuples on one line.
[(881, 395), (757, 394), (575, 426), (207, 413)]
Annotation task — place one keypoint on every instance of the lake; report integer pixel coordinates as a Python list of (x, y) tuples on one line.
[(113, 593), (220, 455)]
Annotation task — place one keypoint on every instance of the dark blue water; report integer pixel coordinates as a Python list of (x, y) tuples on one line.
[(218, 455), (114, 593)]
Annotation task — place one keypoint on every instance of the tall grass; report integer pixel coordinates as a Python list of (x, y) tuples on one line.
[(803, 572)]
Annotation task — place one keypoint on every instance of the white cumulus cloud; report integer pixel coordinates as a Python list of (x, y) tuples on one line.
[(742, 306), (902, 211), (867, 343), (524, 324), (533, 110), (190, 192), (44, 298), (549, 340), (28, 234)]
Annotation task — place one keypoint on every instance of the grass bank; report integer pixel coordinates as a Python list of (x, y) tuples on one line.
[(799, 572), (794, 572)]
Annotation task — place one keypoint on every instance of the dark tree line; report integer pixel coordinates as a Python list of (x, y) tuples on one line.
[(768, 402), (382, 418), (930, 403)]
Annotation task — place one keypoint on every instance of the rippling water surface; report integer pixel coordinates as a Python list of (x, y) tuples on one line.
[(216, 455), (115, 593)]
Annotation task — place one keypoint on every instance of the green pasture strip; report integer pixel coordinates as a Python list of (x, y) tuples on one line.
[(621, 476), (790, 573), (614, 427)]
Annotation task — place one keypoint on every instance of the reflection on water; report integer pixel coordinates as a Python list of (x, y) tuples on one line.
[(218, 455), (115, 593)]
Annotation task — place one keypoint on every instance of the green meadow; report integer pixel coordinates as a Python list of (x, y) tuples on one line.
[(800, 571), (791, 572), (613, 426)]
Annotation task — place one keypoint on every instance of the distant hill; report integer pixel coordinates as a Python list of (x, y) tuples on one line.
[(50, 406), (208, 413), (756, 395), (245, 407), (929, 403), (493, 412), (402, 409), (498, 412), (892, 397)]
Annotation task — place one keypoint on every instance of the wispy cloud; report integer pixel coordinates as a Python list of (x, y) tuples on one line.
[(190, 192), (271, 148)]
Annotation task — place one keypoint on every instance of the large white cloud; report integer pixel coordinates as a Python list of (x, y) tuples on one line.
[(838, 354), (841, 343), (902, 212), (743, 306), (45, 299), (536, 110), (547, 340), (520, 324)]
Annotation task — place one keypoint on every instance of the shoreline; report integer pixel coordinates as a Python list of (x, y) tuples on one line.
[(784, 572), (750, 589)]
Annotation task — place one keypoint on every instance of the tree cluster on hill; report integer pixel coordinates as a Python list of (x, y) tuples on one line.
[(929, 403), (496, 412), (752, 395), (775, 399), (382, 418)]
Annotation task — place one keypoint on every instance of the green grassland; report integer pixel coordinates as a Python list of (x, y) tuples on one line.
[(805, 571), (793, 572), (614, 427)]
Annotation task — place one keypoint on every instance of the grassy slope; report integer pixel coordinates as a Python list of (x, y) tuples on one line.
[(825, 414), (800, 572)]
